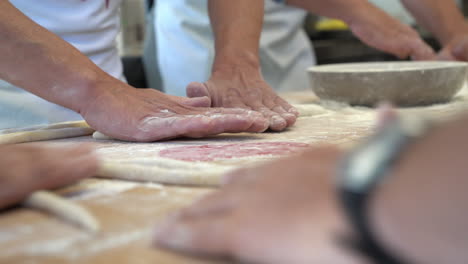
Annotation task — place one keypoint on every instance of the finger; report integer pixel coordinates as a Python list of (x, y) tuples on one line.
[(202, 101), (290, 118), (276, 105), (216, 125), (460, 51), (67, 165), (385, 114), (197, 126), (200, 235), (276, 122), (379, 42), (419, 50), (194, 125), (259, 122), (226, 124), (196, 89), (445, 55), (288, 107), (197, 102)]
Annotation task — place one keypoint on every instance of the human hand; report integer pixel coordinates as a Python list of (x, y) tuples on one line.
[(31, 167), (282, 212), (238, 88), (383, 32), (126, 113), (456, 49)]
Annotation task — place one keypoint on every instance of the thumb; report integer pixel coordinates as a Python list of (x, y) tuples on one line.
[(196, 89), (202, 101)]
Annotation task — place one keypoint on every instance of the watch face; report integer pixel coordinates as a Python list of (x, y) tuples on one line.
[(368, 163), (363, 164)]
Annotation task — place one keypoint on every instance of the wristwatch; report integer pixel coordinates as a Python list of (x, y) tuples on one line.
[(367, 166)]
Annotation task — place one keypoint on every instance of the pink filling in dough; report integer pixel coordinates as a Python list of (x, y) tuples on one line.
[(228, 151)]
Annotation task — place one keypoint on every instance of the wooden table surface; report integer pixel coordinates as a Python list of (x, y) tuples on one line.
[(129, 211)]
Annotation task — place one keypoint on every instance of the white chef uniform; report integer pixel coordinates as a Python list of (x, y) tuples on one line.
[(185, 47), (89, 25)]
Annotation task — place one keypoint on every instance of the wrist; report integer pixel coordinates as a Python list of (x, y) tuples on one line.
[(413, 214), (94, 89), (232, 60)]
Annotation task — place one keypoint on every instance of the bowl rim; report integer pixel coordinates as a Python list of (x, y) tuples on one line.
[(386, 67)]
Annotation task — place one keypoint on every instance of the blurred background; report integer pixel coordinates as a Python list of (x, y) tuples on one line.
[(332, 41)]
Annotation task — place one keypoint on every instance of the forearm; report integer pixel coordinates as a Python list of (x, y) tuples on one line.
[(346, 10), (420, 212), (237, 27), (442, 18), (42, 63)]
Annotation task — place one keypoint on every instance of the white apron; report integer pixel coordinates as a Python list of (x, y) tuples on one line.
[(185, 47), (89, 25)]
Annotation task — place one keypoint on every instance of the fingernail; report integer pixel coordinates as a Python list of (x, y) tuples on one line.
[(277, 120), (293, 111), (264, 124)]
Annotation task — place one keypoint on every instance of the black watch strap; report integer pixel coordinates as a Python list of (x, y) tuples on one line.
[(357, 214)]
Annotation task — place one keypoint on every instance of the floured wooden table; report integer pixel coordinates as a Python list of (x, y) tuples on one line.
[(129, 210)]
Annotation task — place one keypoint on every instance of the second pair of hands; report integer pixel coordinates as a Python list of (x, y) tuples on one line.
[(377, 29)]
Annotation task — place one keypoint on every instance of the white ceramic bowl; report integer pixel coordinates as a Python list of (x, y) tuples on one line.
[(402, 83)]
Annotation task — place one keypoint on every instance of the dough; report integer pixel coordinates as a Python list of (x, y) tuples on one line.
[(45, 127), (193, 165), (99, 136), (39, 133), (63, 209), (213, 152), (310, 110), (164, 171)]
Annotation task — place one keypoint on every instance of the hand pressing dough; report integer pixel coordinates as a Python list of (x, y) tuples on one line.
[(63, 209), (39, 133), (304, 110)]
